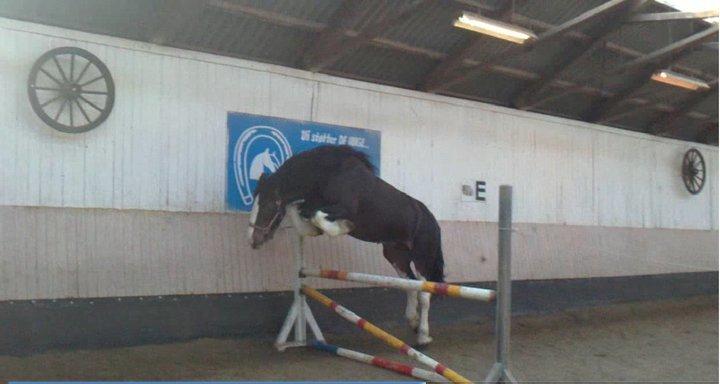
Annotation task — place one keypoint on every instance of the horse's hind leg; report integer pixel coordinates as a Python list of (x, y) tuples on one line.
[(401, 262), (423, 337)]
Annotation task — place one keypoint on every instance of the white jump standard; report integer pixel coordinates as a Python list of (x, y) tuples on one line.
[(300, 316)]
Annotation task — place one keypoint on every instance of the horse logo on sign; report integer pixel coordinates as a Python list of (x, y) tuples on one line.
[(260, 149)]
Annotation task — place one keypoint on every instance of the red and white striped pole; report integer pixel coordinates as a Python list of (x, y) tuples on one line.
[(390, 365), (384, 336), (405, 284)]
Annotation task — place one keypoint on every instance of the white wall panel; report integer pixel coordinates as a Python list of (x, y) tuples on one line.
[(48, 253), (164, 146)]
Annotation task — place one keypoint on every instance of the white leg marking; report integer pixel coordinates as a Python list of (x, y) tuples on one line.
[(253, 216), (302, 225), (424, 329), (332, 228), (411, 309)]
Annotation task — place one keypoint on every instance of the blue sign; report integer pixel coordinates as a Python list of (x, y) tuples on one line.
[(260, 144)]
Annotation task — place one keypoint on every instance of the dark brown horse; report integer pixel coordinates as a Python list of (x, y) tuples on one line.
[(333, 190)]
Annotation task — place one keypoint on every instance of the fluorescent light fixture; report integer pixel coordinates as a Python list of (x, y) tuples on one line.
[(487, 26), (679, 80)]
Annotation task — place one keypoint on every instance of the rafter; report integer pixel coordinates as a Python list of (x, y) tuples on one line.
[(663, 124), (173, 16), (568, 27), (617, 14), (583, 20), (314, 26), (333, 34), (643, 67), (670, 52), (327, 52), (667, 16), (456, 59)]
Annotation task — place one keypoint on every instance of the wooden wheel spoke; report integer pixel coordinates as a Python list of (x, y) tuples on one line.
[(53, 78), (50, 101), (82, 72), (95, 92), (82, 110), (92, 81), (46, 88), (91, 103), (62, 108), (62, 73)]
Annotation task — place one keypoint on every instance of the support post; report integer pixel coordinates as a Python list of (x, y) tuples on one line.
[(500, 372), (298, 296), (300, 316)]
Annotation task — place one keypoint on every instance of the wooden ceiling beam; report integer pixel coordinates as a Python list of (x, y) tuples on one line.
[(668, 16), (309, 25), (333, 34), (671, 51), (172, 17), (582, 20), (457, 59), (568, 27), (328, 52), (663, 124), (617, 15), (643, 68)]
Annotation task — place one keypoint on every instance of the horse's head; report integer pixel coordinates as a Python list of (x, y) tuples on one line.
[(267, 212)]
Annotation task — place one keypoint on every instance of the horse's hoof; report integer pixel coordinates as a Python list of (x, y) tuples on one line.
[(421, 347), (424, 340)]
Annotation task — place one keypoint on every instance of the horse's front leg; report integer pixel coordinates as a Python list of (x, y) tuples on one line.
[(333, 220), (423, 336), (302, 225)]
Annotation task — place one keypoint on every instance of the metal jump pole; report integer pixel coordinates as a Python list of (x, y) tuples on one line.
[(500, 371)]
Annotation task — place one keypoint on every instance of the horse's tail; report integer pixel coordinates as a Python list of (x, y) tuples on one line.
[(435, 266), (436, 270)]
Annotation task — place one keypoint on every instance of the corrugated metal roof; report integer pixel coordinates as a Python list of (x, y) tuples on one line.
[(371, 62), (314, 10), (412, 51)]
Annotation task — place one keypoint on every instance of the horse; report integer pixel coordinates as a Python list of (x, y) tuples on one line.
[(333, 190)]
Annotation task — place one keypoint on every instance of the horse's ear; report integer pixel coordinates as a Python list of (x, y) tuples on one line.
[(261, 179), (259, 184)]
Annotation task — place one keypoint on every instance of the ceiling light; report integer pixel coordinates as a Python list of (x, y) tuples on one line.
[(487, 26), (679, 80)]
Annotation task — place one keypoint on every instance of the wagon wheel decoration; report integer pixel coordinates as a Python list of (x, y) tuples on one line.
[(693, 171), (71, 90)]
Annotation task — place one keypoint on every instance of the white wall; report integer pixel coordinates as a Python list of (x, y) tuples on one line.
[(164, 148), (164, 145)]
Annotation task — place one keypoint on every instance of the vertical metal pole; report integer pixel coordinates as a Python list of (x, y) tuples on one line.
[(300, 323), (502, 321), (504, 293)]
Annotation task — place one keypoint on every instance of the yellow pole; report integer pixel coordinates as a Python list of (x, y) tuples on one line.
[(383, 335)]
